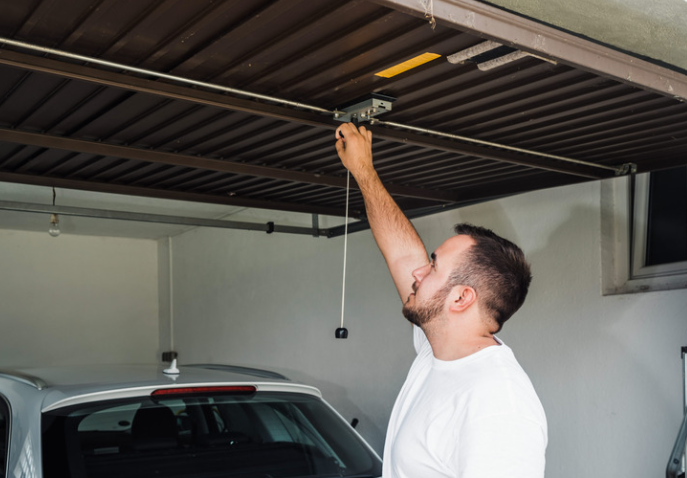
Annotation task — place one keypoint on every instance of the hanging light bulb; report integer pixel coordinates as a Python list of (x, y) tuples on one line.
[(54, 230)]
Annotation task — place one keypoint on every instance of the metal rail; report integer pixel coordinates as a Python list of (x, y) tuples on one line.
[(626, 168), (676, 462), (619, 170), (24, 378), (269, 227), (180, 79)]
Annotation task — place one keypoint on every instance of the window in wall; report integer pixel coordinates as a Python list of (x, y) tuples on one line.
[(644, 232), (660, 224), (667, 217)]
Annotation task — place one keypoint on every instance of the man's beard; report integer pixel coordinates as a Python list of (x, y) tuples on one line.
[(421, 314)]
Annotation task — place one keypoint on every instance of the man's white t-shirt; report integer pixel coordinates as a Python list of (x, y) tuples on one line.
[(476, 417)]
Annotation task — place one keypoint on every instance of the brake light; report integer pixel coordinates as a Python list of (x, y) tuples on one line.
[(194, 390)]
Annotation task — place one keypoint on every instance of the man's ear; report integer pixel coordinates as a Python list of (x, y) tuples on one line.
[(461, 297)]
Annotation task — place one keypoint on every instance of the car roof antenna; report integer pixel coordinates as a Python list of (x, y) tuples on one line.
[(172, 370)]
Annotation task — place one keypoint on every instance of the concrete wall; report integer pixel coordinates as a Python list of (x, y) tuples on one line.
[(77, 299), (607, 369), (274, 301)]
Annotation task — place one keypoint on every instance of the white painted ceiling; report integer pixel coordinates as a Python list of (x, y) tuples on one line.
[(655, 29)]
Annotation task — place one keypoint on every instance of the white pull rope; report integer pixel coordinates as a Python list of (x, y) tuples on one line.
[(343, 289)]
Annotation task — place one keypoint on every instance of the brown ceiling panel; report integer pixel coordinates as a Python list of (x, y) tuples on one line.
[(76, 123)]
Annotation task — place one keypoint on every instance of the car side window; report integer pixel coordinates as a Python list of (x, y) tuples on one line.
[(4, 436)]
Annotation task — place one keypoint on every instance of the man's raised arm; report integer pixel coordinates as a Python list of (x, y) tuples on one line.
[(396, 237)]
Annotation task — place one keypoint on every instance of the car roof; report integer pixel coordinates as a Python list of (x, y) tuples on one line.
[(70, 385), (73, 375)]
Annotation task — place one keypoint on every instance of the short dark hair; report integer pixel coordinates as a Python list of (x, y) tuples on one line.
[(496, 269)]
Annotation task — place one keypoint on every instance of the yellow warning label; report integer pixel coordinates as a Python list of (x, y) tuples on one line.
[(407, 65)]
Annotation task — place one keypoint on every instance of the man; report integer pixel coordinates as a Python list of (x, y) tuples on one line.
[(467, 409)]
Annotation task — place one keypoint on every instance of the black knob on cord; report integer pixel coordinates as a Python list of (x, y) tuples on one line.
[(342, 333)]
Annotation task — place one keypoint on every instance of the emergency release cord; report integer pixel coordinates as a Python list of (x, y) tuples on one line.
[(342, 332)]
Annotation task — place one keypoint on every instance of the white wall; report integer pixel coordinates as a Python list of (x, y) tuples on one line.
[(77, 299), (607, 369), (274, 301)]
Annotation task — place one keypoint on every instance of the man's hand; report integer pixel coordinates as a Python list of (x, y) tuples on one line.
[(354, 146), (397, 239)]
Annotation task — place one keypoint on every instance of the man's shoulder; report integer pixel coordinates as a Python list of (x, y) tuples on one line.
[(503, 387)]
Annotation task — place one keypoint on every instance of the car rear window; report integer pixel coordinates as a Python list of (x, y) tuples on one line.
[(222, 435)]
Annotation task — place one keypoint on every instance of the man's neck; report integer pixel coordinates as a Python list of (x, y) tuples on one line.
[(450, 344)]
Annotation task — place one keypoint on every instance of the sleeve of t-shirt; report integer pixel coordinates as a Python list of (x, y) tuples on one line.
[(501, 445)]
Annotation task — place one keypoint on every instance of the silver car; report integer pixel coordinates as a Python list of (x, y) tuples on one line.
[(194, 421)]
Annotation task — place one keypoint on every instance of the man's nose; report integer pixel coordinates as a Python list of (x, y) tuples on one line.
[(420, 273)]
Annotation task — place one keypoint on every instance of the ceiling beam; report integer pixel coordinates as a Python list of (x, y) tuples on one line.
[(69, 69), (175, 159), (167, 194), (157, 218), (473, 195), (510, 29), (173, 91)]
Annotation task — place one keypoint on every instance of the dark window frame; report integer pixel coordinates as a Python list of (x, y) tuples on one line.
[(642, 218), (623, 202)]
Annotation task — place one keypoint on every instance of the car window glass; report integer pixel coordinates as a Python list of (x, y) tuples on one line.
[(4, 436), (259, 434), (114, 419)]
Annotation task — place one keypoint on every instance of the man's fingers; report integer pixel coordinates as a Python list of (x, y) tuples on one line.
[(340, 146), (339, 133), (365, 133), (347, 129), (353, 133)]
